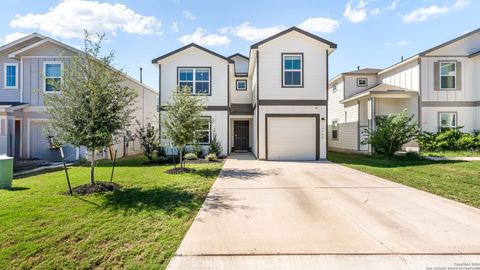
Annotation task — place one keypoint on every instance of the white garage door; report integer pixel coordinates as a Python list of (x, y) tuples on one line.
[(291, 138)]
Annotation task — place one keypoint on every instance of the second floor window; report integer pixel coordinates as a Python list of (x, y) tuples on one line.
[(362, 82), (292, 70), (448, 75), (53, 76), (11, 76), (241, 85), (197, 79)]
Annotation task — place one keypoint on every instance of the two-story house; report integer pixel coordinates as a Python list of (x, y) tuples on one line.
[(440, 86), (26, 67), (272, 103)]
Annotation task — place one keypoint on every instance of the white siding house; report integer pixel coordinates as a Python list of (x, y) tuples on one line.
[(273, 104), (439, 86)]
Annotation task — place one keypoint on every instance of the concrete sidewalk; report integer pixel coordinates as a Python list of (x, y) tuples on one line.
[(314, 215)]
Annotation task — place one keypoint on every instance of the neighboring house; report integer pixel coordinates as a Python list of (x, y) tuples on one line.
[(26, 65), (273, 103), (440, 86)]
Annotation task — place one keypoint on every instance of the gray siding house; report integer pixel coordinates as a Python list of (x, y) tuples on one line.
[(26, 65)]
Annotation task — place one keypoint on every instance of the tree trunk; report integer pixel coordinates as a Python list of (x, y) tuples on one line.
[(92, 168), (181, 157)]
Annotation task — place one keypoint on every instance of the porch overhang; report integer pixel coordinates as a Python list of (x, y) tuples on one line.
[(8, 107), (382, 91)]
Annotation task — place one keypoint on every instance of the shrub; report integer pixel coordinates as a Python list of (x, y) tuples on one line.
[(392, 132), (162, 160), (211, 157), (215, 146), (428, 141), (447, 138), (468, 142), (191, 156), (197, 149), (160, 151)]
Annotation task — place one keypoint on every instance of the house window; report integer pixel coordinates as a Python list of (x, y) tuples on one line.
[(292, 70), (448, 75), (241, 85), (205, 131), (447, 120), (53, 76), (362, 82), (334, 88), (335, 129), (11, 76), (197, 79)]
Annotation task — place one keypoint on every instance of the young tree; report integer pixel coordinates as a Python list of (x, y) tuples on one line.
[(392, 132), (148, 137), (183, 117), (92, 105)]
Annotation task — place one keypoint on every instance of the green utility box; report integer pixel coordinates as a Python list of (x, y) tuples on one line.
[(6, 172)]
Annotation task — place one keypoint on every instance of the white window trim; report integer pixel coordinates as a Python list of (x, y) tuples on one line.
[(440, 120), (5, 75), (334, 88), (285, 70), (366, 82), (45, 63), (194, 79), (440, 74), (241, 89), (337, 129)]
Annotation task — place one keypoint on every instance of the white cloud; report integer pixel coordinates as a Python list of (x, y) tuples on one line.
[(461, 4), (13, 36), (356, 14), (402, 43), (174, 27), (392, 6), (252, 33), (319, 25), (187, 14), (425, 13), (70, 17), (375, 11), (201, 37)]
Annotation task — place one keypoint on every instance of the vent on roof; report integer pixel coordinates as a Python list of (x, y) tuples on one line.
[(358, 67)]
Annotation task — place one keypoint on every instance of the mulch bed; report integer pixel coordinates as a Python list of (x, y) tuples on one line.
[(202, 161), (98, 187), (179, 170)]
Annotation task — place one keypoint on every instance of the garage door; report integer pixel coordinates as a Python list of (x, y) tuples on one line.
[(291, 138)]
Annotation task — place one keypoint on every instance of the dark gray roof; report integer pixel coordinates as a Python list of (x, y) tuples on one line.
[(154, 61), (363, 71), (2, 103), (293, 28), (238, 54)]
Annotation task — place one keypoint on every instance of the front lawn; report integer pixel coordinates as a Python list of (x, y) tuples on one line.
[(140, 226), (452, 154), (455, 180)]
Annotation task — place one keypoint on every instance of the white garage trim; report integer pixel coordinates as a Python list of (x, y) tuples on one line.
[(317, 129)]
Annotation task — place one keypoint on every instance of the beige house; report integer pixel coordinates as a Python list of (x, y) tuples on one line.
[(26, 65), (440, 86)]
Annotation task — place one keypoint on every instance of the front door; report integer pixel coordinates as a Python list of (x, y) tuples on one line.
[(240, 133), (16, 152)]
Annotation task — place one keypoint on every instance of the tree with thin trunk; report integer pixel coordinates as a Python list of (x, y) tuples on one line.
[(92, 106), (183, 117)]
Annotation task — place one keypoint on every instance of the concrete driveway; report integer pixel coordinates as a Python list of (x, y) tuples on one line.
[(320, 215)]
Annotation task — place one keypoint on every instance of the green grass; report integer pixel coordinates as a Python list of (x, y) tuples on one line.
[(140, 226), (452, 154), (455, 180)]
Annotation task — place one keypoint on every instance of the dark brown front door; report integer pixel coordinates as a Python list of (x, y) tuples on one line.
[(240, 133)]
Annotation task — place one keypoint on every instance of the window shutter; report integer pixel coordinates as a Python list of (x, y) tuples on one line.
[(458, 76), (436, 76)]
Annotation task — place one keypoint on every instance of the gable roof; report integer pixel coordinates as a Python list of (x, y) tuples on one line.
[(154, 61), (21, 40), (450, 42), (296, 29), (363, 71), (43, 41), (238, 54)]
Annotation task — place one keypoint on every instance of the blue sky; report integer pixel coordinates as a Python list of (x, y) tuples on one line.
[(369, 33)]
